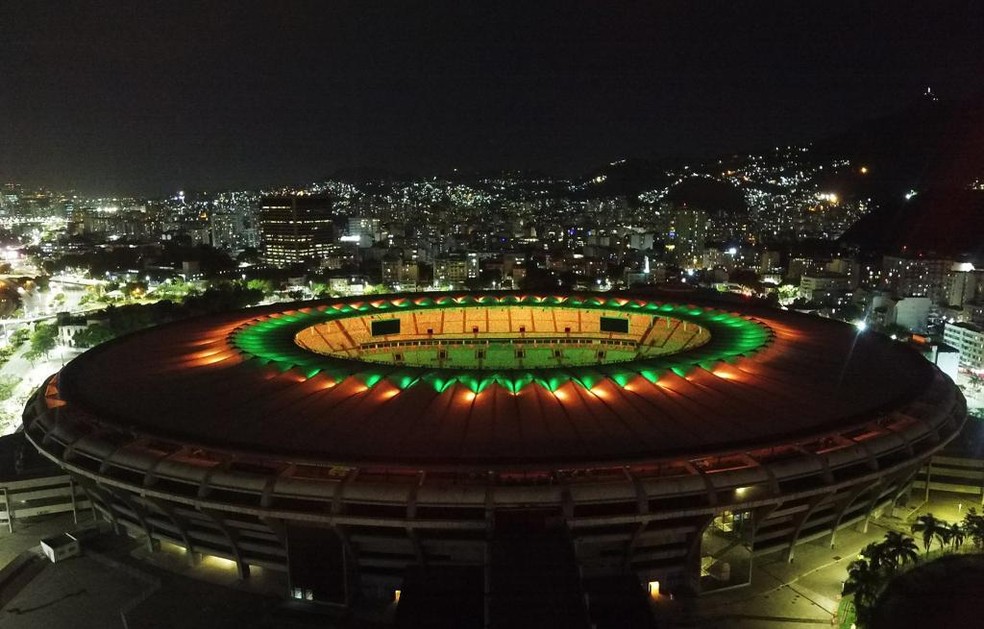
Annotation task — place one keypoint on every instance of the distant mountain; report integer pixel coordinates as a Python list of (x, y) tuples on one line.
[(934, 151), (625, 177), (942, 221), (931, 144), (709, 194)]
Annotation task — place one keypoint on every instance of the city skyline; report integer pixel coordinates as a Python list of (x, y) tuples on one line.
[(490, 315), (109, 98)]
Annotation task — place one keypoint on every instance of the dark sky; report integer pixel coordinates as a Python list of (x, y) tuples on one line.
[(129, 96)]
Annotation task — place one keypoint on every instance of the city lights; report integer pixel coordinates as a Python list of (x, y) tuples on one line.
[(551, 316)]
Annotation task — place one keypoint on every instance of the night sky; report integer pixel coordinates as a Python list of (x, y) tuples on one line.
[(125, 96)]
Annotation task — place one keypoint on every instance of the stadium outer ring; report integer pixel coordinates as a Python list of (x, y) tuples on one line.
[(642, 517)]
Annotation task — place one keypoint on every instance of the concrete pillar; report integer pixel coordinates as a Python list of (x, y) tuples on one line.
[(862, 526), (929, 477)]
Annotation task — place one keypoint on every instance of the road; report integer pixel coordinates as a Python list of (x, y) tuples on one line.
[(31, 376)]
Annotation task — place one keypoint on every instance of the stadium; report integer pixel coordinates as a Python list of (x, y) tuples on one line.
[(501, 440)]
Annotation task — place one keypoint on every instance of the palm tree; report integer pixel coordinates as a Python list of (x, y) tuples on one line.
[(898, 549), (865, 583), (943, 534), (956, 535), (973, 525), (874, 554), (930, 526)]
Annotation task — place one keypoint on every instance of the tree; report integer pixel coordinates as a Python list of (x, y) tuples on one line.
[(93, 335), (876, 556), (956, 535), (865, 583), (898, 550), (930, 526), (869, 574), (266, 287), (135, 289), (375, 289), (19, 337), (43, 340), (973, 525), (7, 386), (976, 380)]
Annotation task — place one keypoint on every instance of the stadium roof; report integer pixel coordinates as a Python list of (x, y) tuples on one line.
[(239, 382)]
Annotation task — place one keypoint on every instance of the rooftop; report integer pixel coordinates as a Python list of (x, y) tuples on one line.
[(245, 381)]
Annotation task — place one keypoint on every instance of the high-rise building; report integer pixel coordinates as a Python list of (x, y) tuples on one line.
[(364, 231), (969, 341), (685, 235), (918, 277), (296, 229), (966, 283), (396, 271), (455, 268)]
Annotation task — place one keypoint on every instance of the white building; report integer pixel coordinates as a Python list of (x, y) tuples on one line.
[(968, 338), (912, 313), (823, 286)]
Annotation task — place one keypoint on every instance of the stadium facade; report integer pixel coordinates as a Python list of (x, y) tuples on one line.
[(350, 442)]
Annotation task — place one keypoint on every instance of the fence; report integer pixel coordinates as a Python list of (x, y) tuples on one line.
[(26, 498)]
